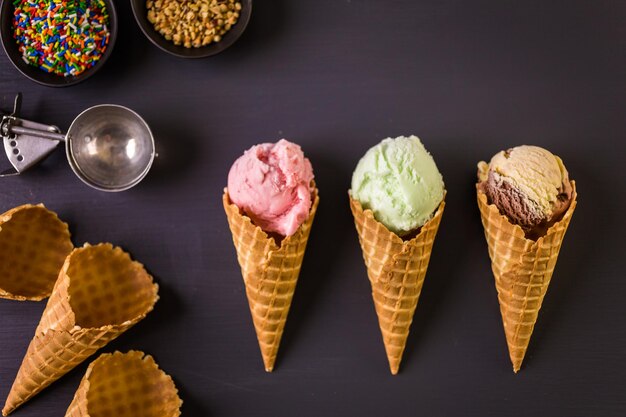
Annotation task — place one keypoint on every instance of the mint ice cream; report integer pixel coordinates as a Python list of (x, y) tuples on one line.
[(399, 181)]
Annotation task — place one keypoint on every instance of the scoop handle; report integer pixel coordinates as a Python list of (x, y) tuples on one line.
[(44, 134), (26, 142)]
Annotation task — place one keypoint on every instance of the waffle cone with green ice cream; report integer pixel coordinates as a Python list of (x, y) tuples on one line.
[(397, 200), (526, 202)]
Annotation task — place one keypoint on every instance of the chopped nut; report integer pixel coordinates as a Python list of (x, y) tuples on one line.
[(193, 22)]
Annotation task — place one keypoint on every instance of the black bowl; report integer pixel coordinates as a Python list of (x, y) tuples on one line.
[(141, 16), (36, 74)]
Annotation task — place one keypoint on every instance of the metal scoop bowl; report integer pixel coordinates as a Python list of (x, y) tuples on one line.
[(109, 147)]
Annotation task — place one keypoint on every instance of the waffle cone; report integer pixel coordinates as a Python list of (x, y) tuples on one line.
[(100, 293), (396, 269), (270, 273), (125, 385), (34, 243), (522, 269)]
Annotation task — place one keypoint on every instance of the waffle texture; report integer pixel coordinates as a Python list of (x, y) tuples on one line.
[(522, 269), (125, 385), (99, 295), (396, 269), (34, 243), (270, 273)]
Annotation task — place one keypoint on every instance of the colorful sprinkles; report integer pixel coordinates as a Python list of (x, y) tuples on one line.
[(64, 37)]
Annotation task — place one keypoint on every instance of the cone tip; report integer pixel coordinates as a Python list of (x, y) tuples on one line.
[(394, 368), (11, 405), (517, 364), (268, 361)]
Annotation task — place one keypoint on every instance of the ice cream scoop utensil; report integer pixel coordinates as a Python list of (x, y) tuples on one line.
[(109, 147)]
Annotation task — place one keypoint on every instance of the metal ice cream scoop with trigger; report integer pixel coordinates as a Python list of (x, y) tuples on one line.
[(109, 147)]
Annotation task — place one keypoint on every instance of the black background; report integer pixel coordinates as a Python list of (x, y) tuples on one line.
[(470, 78)]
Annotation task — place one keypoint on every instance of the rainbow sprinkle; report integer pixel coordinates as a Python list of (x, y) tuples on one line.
[(63, 37)]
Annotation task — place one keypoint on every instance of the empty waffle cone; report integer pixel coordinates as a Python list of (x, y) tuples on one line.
[(270, 273), (522, 269), (396, 269), (125, 385), (34, 243), (99, 295)]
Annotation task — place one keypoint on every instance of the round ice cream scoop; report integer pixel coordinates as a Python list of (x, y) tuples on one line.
[(109, 147), (399, 181), (528, 184)]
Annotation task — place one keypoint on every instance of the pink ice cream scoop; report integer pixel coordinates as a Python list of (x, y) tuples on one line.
[(271, 183)]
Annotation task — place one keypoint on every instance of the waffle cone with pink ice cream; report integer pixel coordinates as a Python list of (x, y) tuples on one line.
[(270, 203)]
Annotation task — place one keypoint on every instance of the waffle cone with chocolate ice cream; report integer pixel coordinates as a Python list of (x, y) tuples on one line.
[(270, 267), (34, 243), (523, 258), (125, 385), (100, 293), (396, 268)]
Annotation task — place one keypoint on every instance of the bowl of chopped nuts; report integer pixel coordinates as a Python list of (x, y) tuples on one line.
[(60, 46), (192, 28)]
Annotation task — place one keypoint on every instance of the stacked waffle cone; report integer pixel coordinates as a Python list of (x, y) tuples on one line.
[(270, 271), (125, 385), (522, 269), (100, 293), (34, 243), (396, 269)]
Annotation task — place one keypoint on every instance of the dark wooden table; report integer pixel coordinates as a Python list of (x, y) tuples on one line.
[(470, 78)]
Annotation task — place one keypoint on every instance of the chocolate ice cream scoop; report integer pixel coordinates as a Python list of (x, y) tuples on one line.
[(529, 185)]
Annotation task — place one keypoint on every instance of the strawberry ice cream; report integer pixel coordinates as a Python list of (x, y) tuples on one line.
[(272, 184)]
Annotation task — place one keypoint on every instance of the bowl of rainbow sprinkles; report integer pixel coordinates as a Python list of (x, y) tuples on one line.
[(58, 43)]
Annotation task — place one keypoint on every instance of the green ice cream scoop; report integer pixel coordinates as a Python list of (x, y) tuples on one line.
[(399, 181)]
